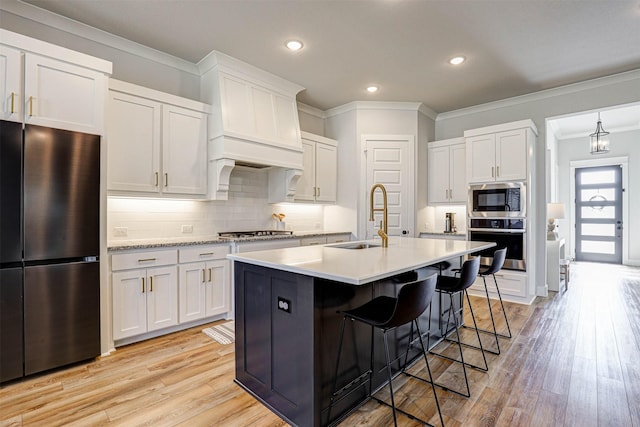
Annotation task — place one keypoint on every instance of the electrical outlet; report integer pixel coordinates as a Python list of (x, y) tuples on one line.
[(187, 229), (120, 231)]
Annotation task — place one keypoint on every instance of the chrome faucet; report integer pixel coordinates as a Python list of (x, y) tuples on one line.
[(383, 230)]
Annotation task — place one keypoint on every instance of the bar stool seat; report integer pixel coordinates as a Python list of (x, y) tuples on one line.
[(387, 313), (454, 285)]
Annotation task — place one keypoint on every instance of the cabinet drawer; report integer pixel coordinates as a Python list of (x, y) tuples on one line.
[(339, 238), (203, 253), (511, 283), (143, 259), (311, 241)]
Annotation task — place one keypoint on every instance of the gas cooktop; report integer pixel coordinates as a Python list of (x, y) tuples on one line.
[(256, 233)]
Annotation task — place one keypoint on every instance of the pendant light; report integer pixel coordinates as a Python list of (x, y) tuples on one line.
[(599, 139)]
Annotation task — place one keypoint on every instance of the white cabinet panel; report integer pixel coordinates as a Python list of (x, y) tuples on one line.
[(184, 164), (10, 81), (63, 95), (218, 287), (305, 190), (133, 125), (511, 155), (129, 303), (265, 125), (481, 158), (192, 290), (447, 181), (162, 297), (205, 289)]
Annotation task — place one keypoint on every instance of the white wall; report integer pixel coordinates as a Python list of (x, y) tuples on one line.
[(347, 124), (622, 144), (246, 209), (591, 95), (179, 79)]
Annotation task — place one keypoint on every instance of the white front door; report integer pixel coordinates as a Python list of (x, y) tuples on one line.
[(390, 161)]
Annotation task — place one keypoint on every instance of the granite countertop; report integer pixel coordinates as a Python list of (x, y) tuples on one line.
[(163, 242), (361, 266)]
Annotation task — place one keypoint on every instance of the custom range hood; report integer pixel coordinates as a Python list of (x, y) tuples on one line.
[(254, 122)]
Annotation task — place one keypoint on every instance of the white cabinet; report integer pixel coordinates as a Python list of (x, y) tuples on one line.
[(205, 282), (339, 238), (498, 156), (10, 82), (447, 171), (155, 145), (513, 286), (63, 89), (145, 292), (320, 169), (555, 254)]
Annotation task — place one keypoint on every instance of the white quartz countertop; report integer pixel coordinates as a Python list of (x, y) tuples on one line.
[(361, 266)]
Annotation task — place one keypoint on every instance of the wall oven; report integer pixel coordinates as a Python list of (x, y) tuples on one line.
[(504, 199), (507, 233)]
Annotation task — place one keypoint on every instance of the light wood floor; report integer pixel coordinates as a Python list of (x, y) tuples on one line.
[(574, 361)]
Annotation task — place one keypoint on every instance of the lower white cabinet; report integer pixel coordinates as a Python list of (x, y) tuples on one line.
[(205, 285), (144, 298), (513, 285)]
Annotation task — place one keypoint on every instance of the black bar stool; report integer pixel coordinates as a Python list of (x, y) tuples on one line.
[(453, 285), (498, 261), (387, 313)]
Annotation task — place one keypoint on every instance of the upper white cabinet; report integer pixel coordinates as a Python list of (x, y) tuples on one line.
[(10, 83), (157, 142), (63, 89), (320, 169), (447, 171), (499, 153)]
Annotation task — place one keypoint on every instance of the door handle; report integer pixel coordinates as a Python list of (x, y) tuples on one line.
[(13, 95), (151, 284), (143, 285), (211, 274)]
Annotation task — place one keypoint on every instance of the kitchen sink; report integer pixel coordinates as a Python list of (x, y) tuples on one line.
[(356, 245)]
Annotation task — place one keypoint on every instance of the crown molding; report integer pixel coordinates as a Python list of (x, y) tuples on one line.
[(378, 105), (543, 94), (61, 23), (312, 111)]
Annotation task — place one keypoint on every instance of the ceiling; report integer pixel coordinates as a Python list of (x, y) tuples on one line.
[(513, 47)]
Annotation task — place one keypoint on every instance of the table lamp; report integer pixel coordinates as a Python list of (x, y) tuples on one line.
[(554, 211)]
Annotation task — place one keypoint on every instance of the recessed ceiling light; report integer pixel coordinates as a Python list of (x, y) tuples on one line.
[(372, 89), (457, 60), (294, 45)]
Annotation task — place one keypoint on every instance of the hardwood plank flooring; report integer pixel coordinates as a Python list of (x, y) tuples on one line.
[(571, 362)]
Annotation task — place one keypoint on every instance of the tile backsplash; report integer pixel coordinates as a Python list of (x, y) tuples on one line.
[(246, 209)]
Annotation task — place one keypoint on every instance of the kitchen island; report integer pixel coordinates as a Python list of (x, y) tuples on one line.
[(287, 325)]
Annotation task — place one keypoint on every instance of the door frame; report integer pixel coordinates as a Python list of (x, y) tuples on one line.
[(363, 214), (623, 161)]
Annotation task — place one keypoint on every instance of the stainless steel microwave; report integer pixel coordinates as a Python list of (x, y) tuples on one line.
[(503, 199)]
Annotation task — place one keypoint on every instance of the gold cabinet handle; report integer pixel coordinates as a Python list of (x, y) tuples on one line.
[(31, 106), (146, 259), (203, 279), (318, 191), (143, 285), (13, 95), (492, 175), (211, 274), (156, 174), (497, 171), (207, 254), (150, 283), (166, 179)]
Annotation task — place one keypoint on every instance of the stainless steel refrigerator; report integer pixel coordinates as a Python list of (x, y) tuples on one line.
[(49, 250)]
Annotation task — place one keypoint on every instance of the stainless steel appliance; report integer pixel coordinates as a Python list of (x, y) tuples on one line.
[(450, 222), (49, 259), (503, 199), (508, 233)]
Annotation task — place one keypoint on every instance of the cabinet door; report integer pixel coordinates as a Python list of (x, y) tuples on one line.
[(162, 297), (191, 286), (326, 173), (134, 143), (63, 95), (511, 155), (438, 175), (481, 158), (129, 303), (305, 189), (10, 78), (457, 174), (218, 285), (184, 155), (236, 105)]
